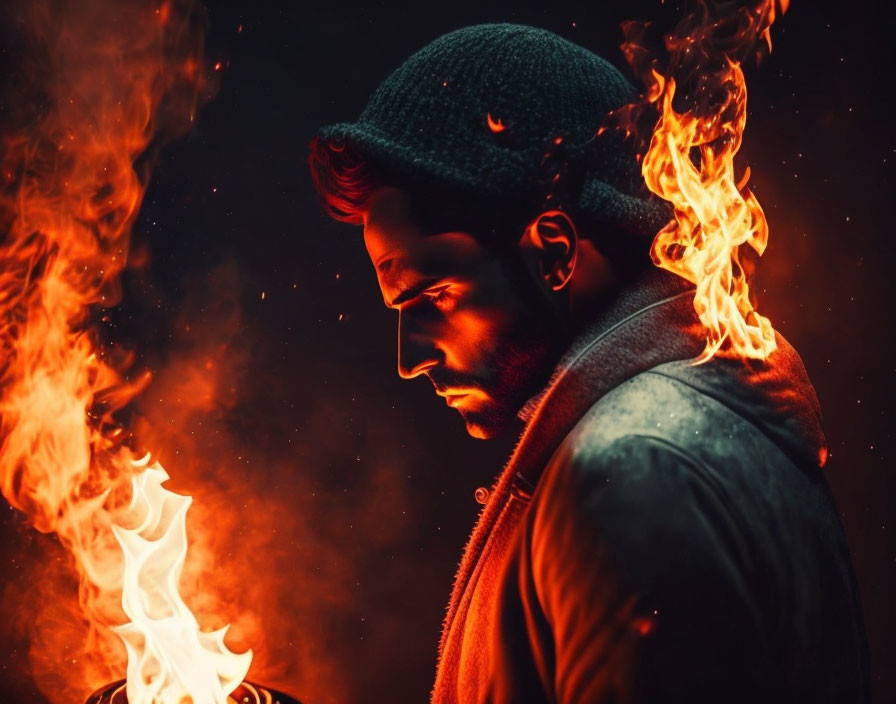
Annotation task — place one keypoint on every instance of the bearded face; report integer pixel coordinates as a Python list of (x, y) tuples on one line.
[(466, 321)]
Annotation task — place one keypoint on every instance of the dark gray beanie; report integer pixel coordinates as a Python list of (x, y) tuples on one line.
[(430, 120)]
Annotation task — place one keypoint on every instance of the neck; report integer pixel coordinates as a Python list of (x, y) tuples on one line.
[(595, 283)]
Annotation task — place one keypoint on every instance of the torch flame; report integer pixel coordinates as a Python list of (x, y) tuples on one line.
[(690, 164), (169, 658), (111, 76)]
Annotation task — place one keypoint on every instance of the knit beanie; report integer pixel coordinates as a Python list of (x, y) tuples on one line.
[(504, 110)]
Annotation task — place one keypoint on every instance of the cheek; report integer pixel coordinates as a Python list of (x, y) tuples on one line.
[(489, 321), (472, 333), (475, 333)]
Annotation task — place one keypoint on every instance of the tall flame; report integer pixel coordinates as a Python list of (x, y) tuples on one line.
[(102, 81), (690, 163), (169, 658)]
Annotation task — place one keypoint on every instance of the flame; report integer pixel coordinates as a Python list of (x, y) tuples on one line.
[(495, 125), (690, 164), (110, 79), (169, 658)]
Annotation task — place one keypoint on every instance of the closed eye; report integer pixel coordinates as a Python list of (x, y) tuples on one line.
[(441, 296), (429, 291), (437, 293)]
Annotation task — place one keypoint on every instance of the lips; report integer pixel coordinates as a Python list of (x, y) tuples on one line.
[(454, 399), (453, 388)]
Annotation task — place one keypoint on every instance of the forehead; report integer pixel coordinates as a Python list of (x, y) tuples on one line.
[(395, 241)]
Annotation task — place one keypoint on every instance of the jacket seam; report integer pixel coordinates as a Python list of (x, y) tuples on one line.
[(627, 319), (798, 462)]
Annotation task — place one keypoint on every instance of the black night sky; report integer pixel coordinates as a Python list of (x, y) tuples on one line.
[(348, 493)]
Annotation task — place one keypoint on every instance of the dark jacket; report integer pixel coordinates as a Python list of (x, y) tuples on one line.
[(662, 533)]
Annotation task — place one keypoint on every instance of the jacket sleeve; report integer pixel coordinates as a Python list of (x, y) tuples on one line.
[(643, 579)]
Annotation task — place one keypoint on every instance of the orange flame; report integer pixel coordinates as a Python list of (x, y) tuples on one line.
[(690, 163), (495, 125), (112, 77)]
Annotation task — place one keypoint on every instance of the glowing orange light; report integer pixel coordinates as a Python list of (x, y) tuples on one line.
[(643, 625), (65, 459), (690, 164), (495, 125), (164, 12), (170, 660)]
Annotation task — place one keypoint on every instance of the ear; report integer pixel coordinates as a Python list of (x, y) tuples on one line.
[(551, 240)]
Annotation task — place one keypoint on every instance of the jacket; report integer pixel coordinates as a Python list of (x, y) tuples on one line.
[(663, 532)]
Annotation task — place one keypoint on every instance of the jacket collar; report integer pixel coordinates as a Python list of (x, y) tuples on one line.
[(649, 323)]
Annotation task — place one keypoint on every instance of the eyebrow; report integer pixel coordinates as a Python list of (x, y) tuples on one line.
[(412, 292)]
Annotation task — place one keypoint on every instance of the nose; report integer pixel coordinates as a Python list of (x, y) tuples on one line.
[(416, 350)]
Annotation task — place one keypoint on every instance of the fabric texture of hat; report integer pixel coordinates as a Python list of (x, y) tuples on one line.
[(484, 108)]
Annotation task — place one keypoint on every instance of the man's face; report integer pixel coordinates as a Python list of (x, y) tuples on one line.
[(479, 333)]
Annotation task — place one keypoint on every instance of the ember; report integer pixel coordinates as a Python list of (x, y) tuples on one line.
[(114, 79)]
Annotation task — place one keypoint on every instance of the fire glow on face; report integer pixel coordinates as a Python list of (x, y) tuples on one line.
[(690, 164), (115, 77)]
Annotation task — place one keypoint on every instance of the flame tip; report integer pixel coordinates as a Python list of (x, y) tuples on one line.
[(690, 164)]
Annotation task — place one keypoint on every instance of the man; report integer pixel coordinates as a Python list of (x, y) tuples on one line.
[(663, 531)]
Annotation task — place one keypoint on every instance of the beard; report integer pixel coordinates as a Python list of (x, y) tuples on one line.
[(513, 370)]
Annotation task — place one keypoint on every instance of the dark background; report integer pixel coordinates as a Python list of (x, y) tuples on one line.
[(371, 479)]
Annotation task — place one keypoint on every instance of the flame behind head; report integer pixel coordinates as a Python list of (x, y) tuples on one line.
[(101, 83), (690, 163)]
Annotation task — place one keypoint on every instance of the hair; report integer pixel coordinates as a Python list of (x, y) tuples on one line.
[(346, 179)]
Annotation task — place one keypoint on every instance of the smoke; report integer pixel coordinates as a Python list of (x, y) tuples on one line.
[(92, 90), (302, 523), (277, 549)]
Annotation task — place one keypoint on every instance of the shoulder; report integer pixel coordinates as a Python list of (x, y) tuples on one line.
[(656, 429), (651, 410), (635, 521), (629, 494), (639, 482)]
